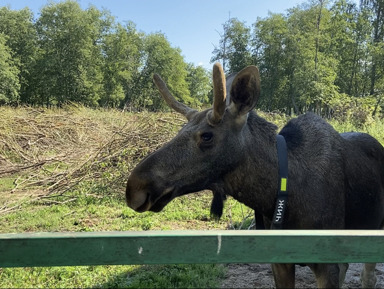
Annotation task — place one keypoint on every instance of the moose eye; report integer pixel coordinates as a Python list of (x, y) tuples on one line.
[(206, 137)]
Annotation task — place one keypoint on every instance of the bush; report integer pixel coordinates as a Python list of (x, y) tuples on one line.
[(357, 111)]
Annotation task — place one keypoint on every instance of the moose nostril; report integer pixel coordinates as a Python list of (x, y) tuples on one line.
[(136, 197)]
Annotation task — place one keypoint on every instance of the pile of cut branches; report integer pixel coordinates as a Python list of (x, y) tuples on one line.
[(53, 152)]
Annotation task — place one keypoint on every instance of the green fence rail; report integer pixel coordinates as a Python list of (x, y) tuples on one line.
[(174, 247)]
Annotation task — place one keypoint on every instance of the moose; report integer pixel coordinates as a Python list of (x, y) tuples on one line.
[(336, 181)]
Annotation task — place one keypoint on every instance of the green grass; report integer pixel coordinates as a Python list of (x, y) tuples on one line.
[(88, 213), (374, 128), (6, 183), (175, 276), (154, 276)]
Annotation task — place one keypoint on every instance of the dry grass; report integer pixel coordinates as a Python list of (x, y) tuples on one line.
[(51, 152)]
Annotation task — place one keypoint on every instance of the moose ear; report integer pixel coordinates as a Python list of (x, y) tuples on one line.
[(245, 91)]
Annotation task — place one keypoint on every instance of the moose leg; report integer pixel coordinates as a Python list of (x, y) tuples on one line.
[(284, 275), (343, 267), (327, 275), (368, 276)]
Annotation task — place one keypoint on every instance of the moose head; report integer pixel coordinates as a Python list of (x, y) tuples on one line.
[(204, 152)]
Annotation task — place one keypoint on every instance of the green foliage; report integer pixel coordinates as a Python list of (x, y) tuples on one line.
[(121, 60), (69, 64), (159, 57), (234, 49), (199, 84), (21, 40), (354, 110), (309, 58), (312, 55), (9, 82), (73, 55), (269, 40)]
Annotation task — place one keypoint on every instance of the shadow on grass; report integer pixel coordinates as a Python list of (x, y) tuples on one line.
[(169, 276)]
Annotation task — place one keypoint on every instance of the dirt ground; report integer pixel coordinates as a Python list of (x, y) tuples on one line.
[(260, 276)]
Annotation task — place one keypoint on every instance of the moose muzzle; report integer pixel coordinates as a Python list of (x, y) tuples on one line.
[(136, 194)]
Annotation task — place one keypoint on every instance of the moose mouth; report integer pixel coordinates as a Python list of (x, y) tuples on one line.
[(159, 204), (149, 198)]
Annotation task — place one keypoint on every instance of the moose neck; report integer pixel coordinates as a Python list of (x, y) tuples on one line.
[(255, 181)]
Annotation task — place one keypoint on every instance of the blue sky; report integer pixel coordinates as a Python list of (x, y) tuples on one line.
[(192, 26)]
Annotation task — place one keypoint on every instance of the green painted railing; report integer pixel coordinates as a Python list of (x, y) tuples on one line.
[(171, 247)]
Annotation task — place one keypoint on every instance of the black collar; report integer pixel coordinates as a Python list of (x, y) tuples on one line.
[(282, 194)]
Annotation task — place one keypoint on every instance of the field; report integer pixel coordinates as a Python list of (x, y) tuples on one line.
[(65, 170)]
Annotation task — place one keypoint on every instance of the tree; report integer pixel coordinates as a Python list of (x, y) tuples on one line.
[(377, 44), (349, 35), (21, 40), (121, 51), (239, 55), (322, 89), (199, 84), (220, 52), (70, 62), (292, 52), (158, 57), (234, 47), (9, 80), (269, 50), (318, 54), (313, 57)]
